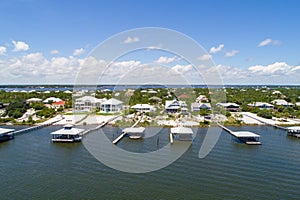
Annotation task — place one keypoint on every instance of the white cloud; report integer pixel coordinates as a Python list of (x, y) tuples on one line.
[(20, 46), (268, 41), (131, 40), (2, 50), (231, 53), (216, 49), (181, 69), (166, 60), (205, 57), (54, 51), (78, 52), (277, 68)]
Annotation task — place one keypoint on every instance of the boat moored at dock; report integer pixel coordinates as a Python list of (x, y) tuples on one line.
[(67, 134)]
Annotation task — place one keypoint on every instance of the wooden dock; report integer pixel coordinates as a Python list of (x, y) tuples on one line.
[(246, 137), (119, 138), (124, 133)]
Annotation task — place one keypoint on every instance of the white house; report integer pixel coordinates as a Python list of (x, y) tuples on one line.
[(111, 106), (195, 107), (88, 103), (143, 108), (282, 102), (261, 105), (233, 107), (52, 99)]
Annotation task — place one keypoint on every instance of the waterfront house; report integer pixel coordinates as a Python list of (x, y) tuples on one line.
[(261, 105), (282, 102), (174, 106), (88, 103), (143, 108), (111, 106), (232, 107), (195, 107)]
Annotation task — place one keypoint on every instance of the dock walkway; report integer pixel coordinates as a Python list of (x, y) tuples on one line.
[(124, 133)]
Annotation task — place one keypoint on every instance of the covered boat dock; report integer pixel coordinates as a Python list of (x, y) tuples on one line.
[(6, 134), (181, 133), (293, 131)]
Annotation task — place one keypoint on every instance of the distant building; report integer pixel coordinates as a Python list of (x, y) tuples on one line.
[(261, 105), (32, 100), (282, 102), (183, 96), (111, 106), (232, 107), (87, 103), (202, 98), (143, 108), (52, 99), (195, 107)]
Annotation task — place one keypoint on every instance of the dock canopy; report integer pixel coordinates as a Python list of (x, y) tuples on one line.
[(240, 134), (4, 131), (134, 130), (182, 133)]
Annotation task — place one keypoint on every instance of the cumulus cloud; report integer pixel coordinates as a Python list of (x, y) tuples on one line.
[(268, 41), (181, 69), (78, 52), (277, 68), (54, 51), (2, 50), (129, 40), (216, 49), (231, 53), (20, 46), (166, 60), (205, 57)]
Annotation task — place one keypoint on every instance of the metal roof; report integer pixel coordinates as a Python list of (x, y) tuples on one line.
[(181, 130), (134, 130), (244, 134)]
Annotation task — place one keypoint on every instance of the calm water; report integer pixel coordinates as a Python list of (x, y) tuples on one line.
[(31, 167)]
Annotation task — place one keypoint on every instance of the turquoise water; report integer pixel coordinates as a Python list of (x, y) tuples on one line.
[(31, 167)]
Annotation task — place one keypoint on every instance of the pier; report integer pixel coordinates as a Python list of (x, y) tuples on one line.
[(100, 125), (246, 137), (125, 133)]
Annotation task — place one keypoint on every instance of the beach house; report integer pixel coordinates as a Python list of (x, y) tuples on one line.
[(261, 105), (111, 106), (195, 107), (87, 103), (232, 107)]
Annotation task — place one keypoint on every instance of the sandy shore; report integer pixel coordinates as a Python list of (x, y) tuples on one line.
[(83, 119), (251, 118)]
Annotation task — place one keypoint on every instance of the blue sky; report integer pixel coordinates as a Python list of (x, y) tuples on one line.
[(257, 37)]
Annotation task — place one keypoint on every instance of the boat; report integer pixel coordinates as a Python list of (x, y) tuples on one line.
[(67, 134), (293, 131), (6, 134), (134, 133)]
